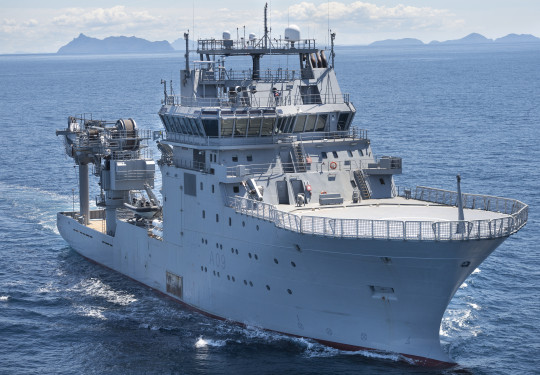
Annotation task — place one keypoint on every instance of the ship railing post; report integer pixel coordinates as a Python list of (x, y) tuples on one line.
[(372, 233), (387, 229), (404, 230), (357, 225)]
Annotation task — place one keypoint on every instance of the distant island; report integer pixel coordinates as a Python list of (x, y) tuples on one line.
[(471, 39), (121, 44), (112, 45)]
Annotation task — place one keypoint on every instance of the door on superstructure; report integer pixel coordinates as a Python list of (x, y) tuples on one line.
[(282, 192), (199, 159)]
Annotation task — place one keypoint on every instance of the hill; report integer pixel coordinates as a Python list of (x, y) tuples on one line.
[(113, 44)]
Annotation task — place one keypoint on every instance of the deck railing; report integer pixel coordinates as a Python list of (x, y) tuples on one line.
[(396, 229)]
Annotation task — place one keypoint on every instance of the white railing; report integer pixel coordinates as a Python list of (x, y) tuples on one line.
[(396, 229)]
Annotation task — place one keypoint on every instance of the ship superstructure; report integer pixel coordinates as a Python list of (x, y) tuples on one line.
[(275, 212)]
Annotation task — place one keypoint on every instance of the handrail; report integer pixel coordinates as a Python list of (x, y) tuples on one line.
[(391, 229)]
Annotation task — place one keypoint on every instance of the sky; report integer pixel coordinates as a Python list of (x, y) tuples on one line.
[(38, 26)]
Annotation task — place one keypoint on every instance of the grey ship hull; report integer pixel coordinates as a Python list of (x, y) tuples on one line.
[(352, 294)]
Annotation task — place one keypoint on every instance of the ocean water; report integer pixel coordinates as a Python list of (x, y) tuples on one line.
[(444, 110)]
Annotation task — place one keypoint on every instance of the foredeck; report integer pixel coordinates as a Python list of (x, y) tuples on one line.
[(397, 208), (431, 215)]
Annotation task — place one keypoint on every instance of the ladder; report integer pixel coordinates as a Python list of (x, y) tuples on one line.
[(300, 162), (360, 179)]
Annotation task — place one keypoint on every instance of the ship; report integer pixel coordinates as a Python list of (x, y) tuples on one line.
[(275, 212)]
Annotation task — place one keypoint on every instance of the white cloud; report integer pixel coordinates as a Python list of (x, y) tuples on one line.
[(103, 18), (368, 16)]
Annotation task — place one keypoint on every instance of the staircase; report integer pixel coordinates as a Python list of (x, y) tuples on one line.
[(362, 184), (300, 163)]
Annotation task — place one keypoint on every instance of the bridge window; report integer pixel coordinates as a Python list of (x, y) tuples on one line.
[(310, 123), (342, 121), (182, 125), (267, 126), (227, 127), (335, 154), (299, 124), (241, 127), (193, 126), (350, 153), (210, 127), (321, 123), (254, 126), (324, 155)]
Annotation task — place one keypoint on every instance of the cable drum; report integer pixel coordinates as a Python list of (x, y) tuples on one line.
[(127, 134)]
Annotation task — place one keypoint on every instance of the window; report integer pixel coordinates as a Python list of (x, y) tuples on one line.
[(254, 126), (350, 153), (201, 185), (342, 121), (213, 190), (268, 126), (321, 123), (361, 152), (236, 189), (324, 155), (217, 218), (241, 127), (335, 154), (235, 158), (299, 125), (230, 222), (382, 181), (210, 127), (227, 127), (249, 158), (203, 214), (310, 123)]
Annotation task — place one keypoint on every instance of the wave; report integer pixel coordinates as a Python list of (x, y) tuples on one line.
[(204, 343), (96, 288), (4, 298)]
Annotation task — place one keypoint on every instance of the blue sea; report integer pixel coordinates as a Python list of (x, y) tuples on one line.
[(446, 111)]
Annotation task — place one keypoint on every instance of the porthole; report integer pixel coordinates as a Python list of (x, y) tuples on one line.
[(249, 254), (230, 222), (217, 245), (206, 242), (293, 264), (233, 279), (201, 185), (228, 277), (220, 246), (232, 250), (276, 261), (250, 283), (268, 287), (257, 227), (218, 274), (217, 218), (214, 273), (236, 251), (202, 268), (203, 214), (289, 291), (256, 257), (205, 269), (202, 239), (243, 223), (213, 189), (245, 282)]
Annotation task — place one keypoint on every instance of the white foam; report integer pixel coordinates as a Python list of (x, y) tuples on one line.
[(92, 312), (464, 285), (477, 270), (96, 288), (4, 298), (204, 343)]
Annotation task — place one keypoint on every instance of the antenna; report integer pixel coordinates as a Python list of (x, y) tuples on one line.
[(332, 54), (265, 26)]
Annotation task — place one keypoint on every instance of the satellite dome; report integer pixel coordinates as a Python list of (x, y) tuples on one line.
[(292, 33)]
